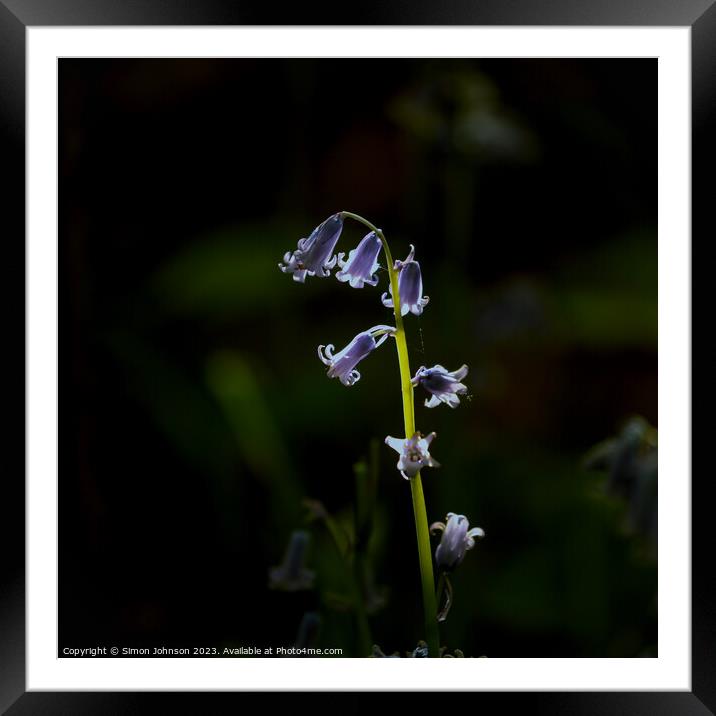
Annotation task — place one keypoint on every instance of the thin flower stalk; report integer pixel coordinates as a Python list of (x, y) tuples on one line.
[(416, 487)]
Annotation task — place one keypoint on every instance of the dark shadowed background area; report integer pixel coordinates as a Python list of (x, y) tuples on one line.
[(195, 416)]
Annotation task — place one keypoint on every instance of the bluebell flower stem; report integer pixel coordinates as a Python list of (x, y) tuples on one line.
[(432, 635)]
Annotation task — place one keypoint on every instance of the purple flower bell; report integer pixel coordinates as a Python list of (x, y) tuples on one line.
[(313, 257), (362, 262), (457, 538), (414, 453), (443, 385), (342, 364), (410, 285)]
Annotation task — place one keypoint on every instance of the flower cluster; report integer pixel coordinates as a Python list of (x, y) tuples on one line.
[(316, 256)]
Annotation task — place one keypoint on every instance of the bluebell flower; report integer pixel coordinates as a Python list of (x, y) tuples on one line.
[(308, 630), (443, 385), (362, 262), (313, 257), (414, 453), (457, 538), (342, 364), (292, 575), (410, 285)]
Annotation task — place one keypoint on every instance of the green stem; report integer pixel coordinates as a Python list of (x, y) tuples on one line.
[(432, 636)]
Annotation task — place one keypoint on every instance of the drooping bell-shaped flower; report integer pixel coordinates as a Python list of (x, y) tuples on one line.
[(414, 453), (313, 257), (457, 538), (410, 285), (308, 630), (342, 364), (292, 575), (443, 385), (362, 263)]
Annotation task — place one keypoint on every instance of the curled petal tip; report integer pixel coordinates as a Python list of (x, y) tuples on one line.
[(386, 300)]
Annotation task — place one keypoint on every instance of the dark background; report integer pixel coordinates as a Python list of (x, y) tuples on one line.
[(195, 416)]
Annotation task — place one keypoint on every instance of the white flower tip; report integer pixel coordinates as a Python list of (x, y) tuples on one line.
[(460, 373)]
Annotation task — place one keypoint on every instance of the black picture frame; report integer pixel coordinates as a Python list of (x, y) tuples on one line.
[(17, 15)]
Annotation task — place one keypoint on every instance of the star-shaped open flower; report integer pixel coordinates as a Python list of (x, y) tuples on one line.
[(443, 385), (414, 453)]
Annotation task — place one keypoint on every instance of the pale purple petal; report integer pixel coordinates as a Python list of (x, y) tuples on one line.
[(456, 539), (395, 443)]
